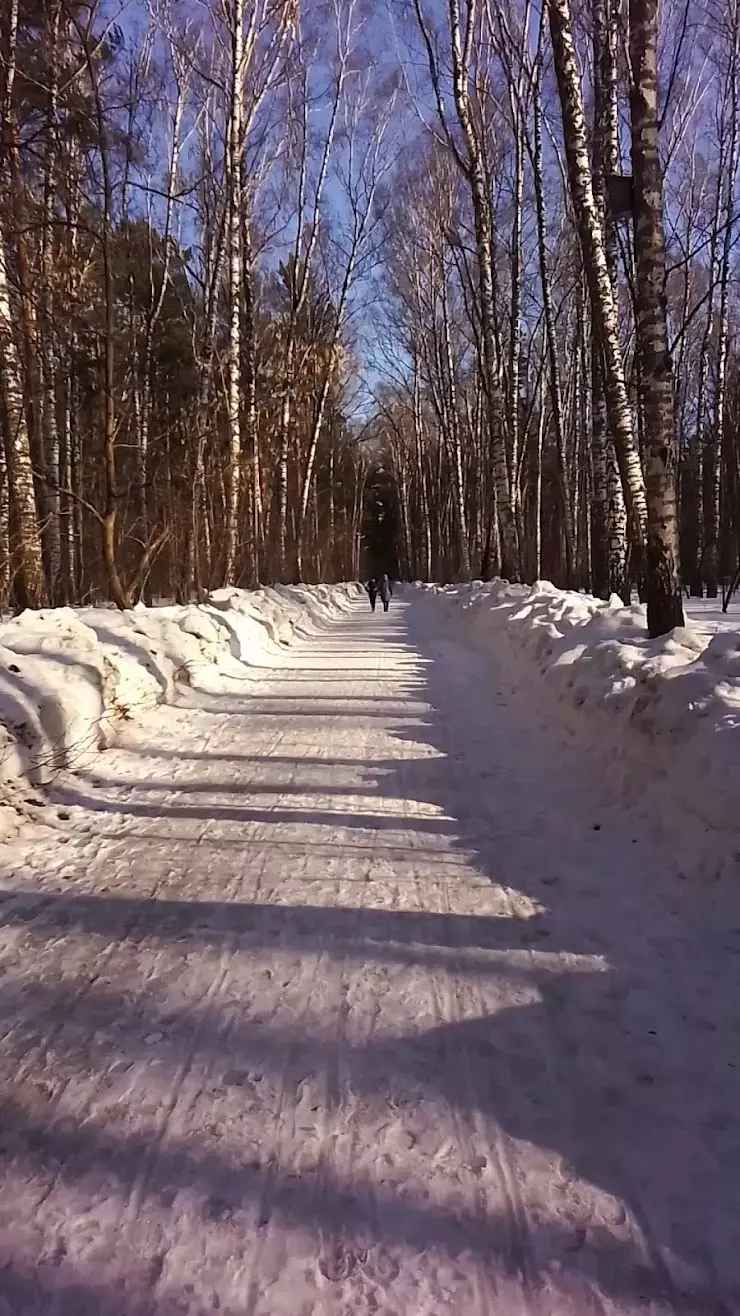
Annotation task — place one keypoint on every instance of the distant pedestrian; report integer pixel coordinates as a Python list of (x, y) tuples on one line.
[(385, 591), (372, 592)]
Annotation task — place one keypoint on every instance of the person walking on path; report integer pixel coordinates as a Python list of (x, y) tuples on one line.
[(372, 592), (385, 591)]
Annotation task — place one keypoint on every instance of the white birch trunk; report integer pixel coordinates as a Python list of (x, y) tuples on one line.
[(25, 540), (593, 246), (236, 282)]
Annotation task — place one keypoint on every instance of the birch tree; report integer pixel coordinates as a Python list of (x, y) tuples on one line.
[(591, 235), (663, 586)]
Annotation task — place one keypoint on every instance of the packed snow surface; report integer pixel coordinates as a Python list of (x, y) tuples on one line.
[(71, 679), (342, 984), (659, 718)]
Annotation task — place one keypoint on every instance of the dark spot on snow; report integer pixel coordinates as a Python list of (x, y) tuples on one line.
[(236, 1078), (597, 827), (156, 1266), (13, 668), (63, 815), (59, 1252), (215, 1208), (338, 1262), (579, 1238)]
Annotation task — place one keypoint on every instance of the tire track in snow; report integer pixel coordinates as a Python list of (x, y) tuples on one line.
[(285, 1113), (336, 1258), (663, 1289), (470, 999), (283, 1128), (444, 997), (257, 833)]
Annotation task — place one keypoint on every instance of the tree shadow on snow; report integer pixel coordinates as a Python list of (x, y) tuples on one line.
[(580, 1070)]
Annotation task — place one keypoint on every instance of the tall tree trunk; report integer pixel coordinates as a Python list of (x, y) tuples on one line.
[(28, 329), (109, 521), (515, 340), (68, 583), (5, 574), (455, 438), (236, 284), (249, 366), (715, 446), (593, 246), (663, 587), (601, 558), (426, 541), (50, 471), (25, 541), (284, 455), (332, 554), (153, 316), (555, 386), (610, 521), (505, 497), (308, 474)]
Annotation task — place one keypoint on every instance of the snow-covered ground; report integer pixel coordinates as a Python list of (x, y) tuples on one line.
[(659, 719), (346, 988), (71, 679)]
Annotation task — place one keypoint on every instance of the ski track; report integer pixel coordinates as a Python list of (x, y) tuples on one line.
[(355, 996)]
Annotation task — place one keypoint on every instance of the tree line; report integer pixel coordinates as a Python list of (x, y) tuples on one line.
[(253, 267), (558, 373), (188, 207)]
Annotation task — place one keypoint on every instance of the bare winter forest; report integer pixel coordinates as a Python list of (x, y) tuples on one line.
[(287, 286)]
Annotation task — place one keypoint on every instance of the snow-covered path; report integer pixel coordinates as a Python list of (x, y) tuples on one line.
[(355, 997)]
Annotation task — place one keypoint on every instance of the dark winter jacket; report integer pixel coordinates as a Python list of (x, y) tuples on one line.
[(384, 589), (372, 589)]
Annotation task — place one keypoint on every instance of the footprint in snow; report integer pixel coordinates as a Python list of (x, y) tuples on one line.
[(338, 1260)]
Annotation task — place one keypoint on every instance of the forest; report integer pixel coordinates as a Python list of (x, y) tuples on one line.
[(295, 289)]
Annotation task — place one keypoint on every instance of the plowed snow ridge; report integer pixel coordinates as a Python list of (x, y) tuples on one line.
[(659, 719), (355, 995)]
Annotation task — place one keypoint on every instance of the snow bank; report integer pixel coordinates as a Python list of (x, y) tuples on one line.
[(662, 715), (70, 678)]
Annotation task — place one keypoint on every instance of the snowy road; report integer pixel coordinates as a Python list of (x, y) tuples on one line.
[(355, 998)]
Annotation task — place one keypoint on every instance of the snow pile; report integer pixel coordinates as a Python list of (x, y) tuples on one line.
[(70, 678), (664, 714)]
